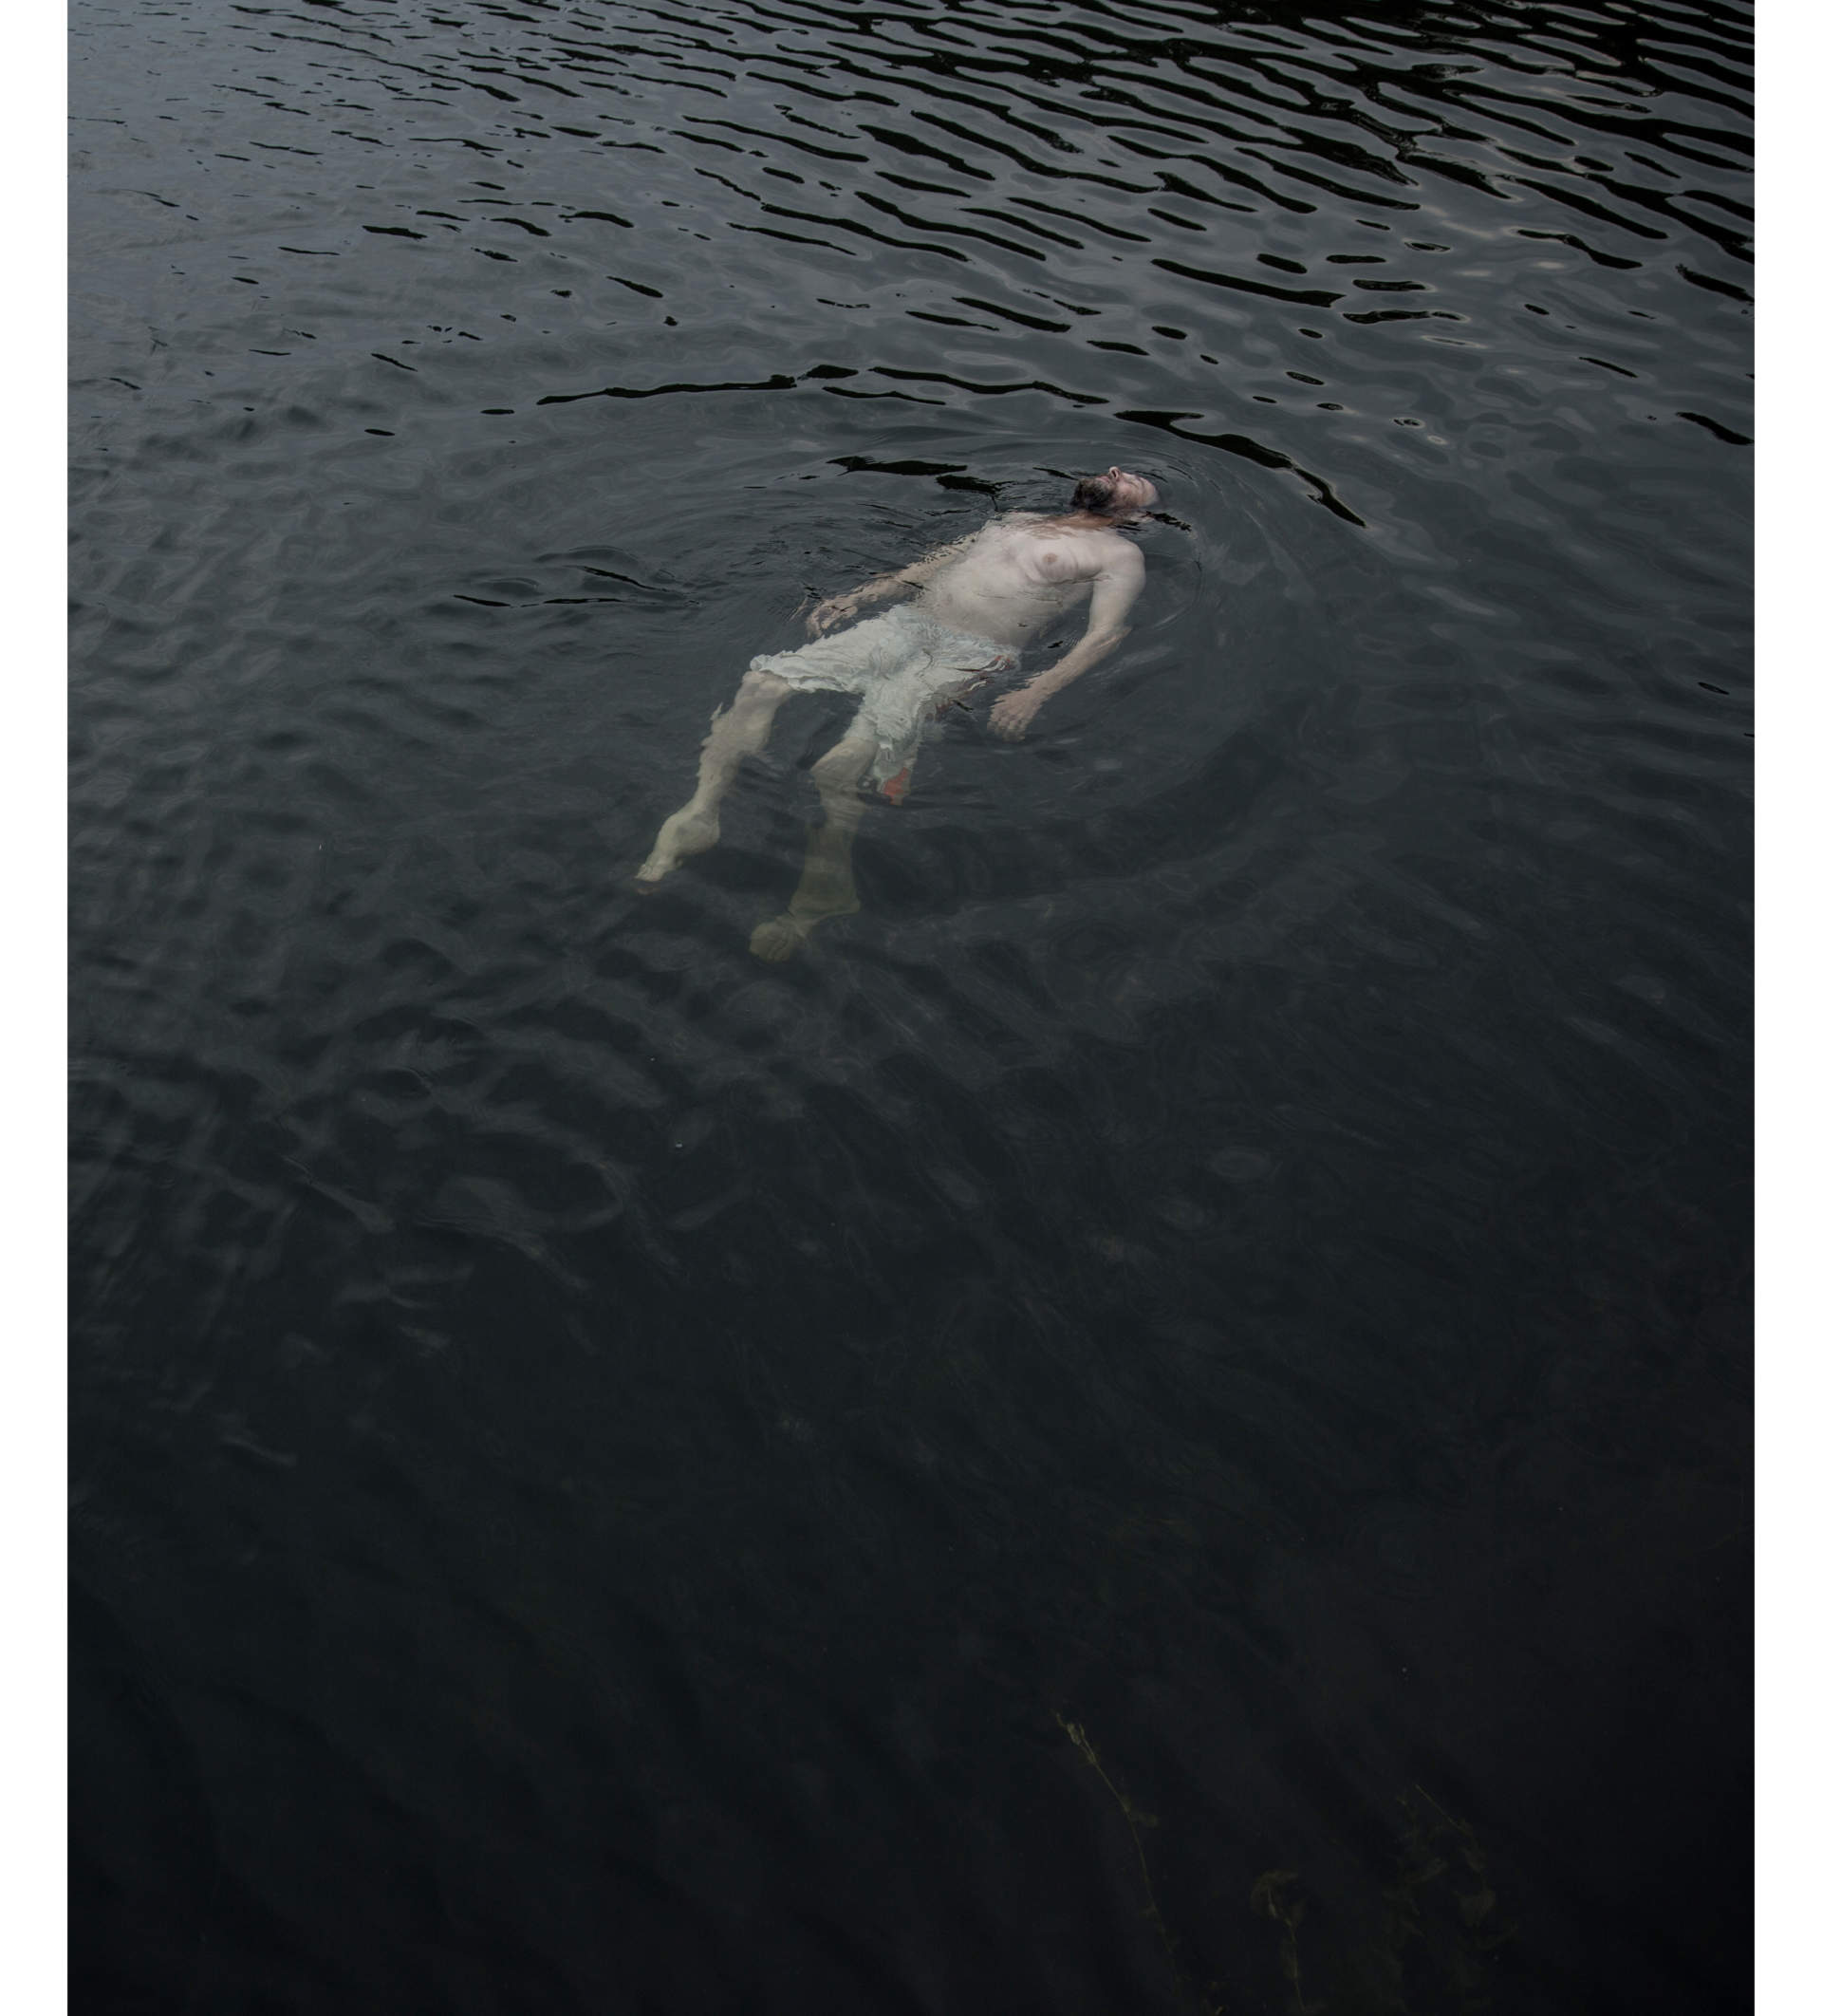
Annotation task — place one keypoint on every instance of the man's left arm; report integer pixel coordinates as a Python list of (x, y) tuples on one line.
[(1116, 588)]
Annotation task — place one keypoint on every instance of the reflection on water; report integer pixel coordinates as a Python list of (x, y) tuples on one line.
[(605, 1470)]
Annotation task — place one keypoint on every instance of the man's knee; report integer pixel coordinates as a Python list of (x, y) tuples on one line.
[(761, 689), (842, 768)]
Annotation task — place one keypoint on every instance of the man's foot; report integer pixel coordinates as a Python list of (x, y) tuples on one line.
[(683, 834), (779, 937)]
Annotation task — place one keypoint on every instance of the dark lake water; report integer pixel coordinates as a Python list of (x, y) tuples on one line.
[(606, 1472)]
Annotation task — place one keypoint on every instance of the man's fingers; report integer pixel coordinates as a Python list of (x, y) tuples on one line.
[(836, 609), (1012, 716)]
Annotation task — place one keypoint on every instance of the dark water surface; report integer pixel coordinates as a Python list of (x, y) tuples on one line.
[(601, 1468)]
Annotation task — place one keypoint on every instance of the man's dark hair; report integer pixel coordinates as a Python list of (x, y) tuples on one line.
[(1095, 494)]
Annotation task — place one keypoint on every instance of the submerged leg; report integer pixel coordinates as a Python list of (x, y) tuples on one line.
[(826, 885), (739, 730)]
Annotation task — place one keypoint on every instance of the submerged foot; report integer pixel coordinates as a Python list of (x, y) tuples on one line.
[(779, 938), (683, 834)]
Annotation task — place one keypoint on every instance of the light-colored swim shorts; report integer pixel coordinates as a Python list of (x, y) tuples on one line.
[(905, 666)]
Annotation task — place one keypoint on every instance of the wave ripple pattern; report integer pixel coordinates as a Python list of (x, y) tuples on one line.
[(604, 1470)]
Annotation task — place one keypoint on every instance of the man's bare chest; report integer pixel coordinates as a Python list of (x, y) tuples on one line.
[(1047, 566)]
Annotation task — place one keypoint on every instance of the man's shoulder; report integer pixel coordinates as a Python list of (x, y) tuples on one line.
[(1115, 555)]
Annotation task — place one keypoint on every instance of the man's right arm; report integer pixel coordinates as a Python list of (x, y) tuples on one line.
[(840, 608)]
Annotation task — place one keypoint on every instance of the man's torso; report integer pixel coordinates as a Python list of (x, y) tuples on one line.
[(1016, 577)]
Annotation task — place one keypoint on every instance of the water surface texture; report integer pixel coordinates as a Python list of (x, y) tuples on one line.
[(1160, 1421)]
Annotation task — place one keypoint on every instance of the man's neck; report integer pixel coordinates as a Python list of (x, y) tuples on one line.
[(1094, 520)]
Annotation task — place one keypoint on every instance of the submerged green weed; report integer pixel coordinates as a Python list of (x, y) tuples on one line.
[(1427, 1955), (1135, 1819)]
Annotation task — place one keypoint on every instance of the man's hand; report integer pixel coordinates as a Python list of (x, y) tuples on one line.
[(837, 610), (1013, 713)]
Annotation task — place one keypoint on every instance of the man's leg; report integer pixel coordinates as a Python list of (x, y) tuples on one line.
[(826, 885), (739, 730)]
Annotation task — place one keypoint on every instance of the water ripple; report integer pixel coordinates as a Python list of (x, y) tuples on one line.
[(1266, 1144)]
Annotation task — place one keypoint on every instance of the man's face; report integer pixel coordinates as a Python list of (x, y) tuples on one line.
[(1133, 493)]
